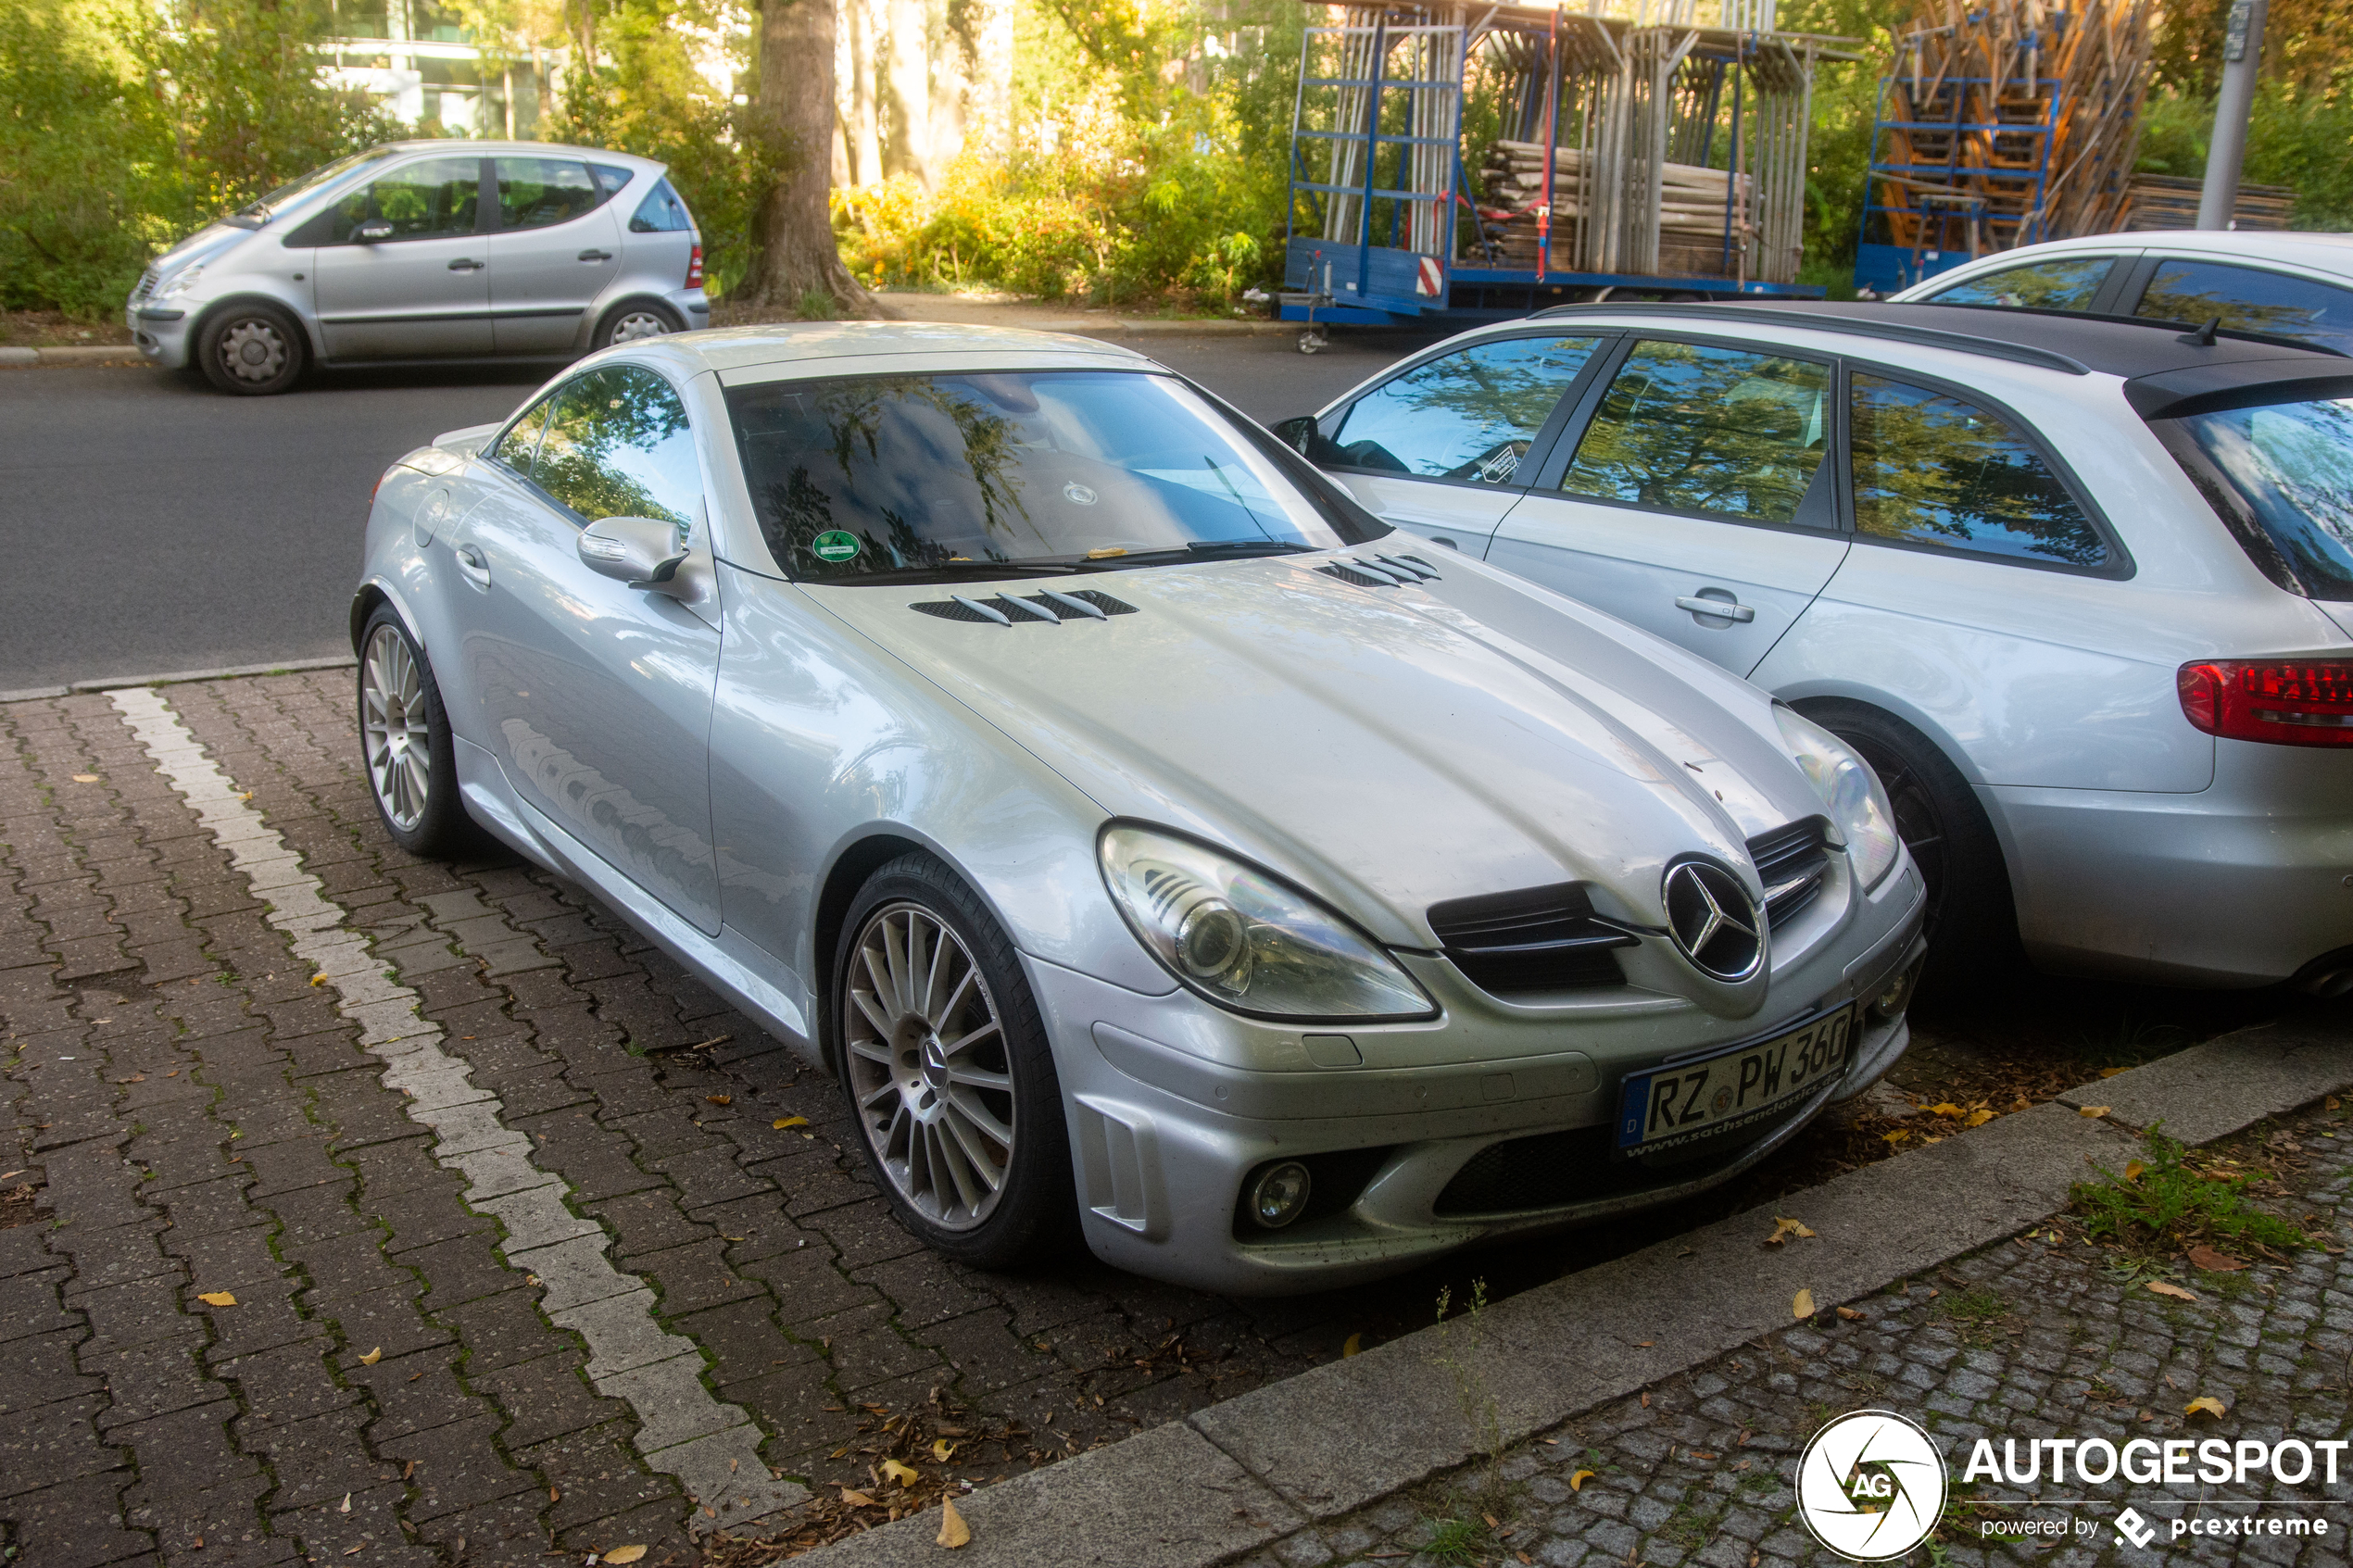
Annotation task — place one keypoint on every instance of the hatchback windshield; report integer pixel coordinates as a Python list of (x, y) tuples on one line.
[(271, 205), (968, 474), (2293, 465)]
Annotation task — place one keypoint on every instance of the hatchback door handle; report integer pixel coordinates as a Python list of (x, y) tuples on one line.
[(463, 265), (471, 562), (1730, 609), (596, 256)]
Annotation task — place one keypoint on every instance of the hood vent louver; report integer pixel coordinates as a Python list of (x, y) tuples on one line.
[(1049, 608), (1380, 570), (1535, 939)]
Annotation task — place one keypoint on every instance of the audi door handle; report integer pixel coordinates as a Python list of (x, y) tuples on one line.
[(1729, 610), (471, 562), (464, 264), (596, 256)]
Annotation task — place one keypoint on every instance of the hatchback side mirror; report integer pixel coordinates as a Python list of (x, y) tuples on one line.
[(369, 233), (641, 551), (1303, 436)]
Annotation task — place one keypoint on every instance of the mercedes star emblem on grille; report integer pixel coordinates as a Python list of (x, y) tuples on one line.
[(1714, 919)]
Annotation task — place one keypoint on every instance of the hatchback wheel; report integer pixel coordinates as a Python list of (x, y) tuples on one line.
[(628, 323), (949, 1074), (405, 744), (252, 350)]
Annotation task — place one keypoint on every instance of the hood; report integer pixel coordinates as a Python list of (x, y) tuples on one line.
[(202, 245), (1386, 747)]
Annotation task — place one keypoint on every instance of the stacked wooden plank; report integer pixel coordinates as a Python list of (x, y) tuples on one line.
[(2157, 201), (1695, 204)]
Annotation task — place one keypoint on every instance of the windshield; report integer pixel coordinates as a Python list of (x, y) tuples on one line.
[(2290, 466), (275, 202), (946, 474)]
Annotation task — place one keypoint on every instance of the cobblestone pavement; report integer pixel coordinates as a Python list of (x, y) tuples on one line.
[(2029, 1339)]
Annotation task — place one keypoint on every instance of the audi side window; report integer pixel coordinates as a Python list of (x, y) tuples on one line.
[(538, 193), (2046, 285), (518, 448), (618, 444), (662, 212), (1932, 468), (2252, 300), (1470, 415), (423, 201), (1689, 428)]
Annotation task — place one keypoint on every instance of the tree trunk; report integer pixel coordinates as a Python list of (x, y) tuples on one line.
[(792, 225)]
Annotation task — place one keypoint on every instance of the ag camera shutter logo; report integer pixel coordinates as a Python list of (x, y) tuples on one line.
[(1870, 1486)]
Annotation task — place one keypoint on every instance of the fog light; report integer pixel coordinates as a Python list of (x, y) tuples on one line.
[(1280, 1195), (1891, 1002)]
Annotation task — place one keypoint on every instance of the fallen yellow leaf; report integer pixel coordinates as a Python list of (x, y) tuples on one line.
[(1946, 1108), (781, 1123), (2208, 1403), (2163, 1288), (1802, 1304), (318, 979), (346, 1506), (940, 1449), (1898, 1136), (856, 1498), (2133, 1169), (1851, 1314), (85, 778), (953, 1531), (1576, 1481), (1355, 1342), (373, 1357), (2215, 1262), (2113, 1071), (1978, 1118), (721, 1099), (218, 1298), (624, 1554), (905, 1475), (2093, 1111), (1785, 1228)]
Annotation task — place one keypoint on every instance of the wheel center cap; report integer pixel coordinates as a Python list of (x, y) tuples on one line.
[(254, 353), (935, 1065)]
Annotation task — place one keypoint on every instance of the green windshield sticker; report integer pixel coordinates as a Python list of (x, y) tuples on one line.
[(834, 546)]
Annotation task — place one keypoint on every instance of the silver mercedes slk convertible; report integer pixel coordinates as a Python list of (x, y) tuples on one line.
[(1154, 845)]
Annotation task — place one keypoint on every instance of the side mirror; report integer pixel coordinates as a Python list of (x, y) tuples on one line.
[(641, 551), (369, 233), (1298, 434)]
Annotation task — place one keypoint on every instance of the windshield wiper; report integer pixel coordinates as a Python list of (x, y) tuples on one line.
[(960, 570)]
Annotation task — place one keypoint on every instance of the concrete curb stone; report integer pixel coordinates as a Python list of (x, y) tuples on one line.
[(179, 677), (74, 354), (1336, 1438)]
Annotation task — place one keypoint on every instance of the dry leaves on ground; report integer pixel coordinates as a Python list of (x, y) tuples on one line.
[(2214, 1263), (622, 1554), (781, 1123), (373, 1357), (1802, 1304), (218, 1298), (2165, 1287), (1576, 1481), (2207, 1403), (953, 1531), (1784, 1228)]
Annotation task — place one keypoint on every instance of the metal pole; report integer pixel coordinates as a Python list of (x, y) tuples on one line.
[(1552, 147), (2242, 57)]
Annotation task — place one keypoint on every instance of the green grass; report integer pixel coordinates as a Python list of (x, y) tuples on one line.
[(1459, 1541), (2167, 1206)]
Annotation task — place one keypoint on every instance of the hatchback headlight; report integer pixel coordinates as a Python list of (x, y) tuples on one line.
[(1245, 941), (1858, 803), (179, 283)]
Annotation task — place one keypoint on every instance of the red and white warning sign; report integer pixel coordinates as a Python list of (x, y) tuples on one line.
[(1432, 281)]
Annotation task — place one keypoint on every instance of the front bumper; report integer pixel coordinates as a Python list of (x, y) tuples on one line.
[(161, 332), (1165, 1125)]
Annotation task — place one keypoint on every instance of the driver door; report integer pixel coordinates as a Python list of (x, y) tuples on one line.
[(594, 695), (400, 272)]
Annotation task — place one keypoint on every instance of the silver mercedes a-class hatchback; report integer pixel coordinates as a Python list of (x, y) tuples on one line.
[(1154, 845)]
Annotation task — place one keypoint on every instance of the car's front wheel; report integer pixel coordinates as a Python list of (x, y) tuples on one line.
[(252, 350), (945, 1064), (405, 744)]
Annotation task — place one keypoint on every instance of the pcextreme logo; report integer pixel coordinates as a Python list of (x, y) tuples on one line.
[(1870, 1486)]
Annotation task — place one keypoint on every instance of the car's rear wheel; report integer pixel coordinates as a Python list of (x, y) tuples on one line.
[(405, 744), (252, 350), (945, 1064), (1971, 922), (632, 319)]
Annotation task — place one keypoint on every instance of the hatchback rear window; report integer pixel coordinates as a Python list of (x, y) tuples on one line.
[(2290, 466), (662, 212)]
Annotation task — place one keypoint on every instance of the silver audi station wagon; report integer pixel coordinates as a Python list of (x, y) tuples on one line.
[(1152, 843), (427, 250)]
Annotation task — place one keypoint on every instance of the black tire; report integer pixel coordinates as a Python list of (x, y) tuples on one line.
[(437, 827), (635, 318), (1033, 1208), (1972, 923), (252, 350)]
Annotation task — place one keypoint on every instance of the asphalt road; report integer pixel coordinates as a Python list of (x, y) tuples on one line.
[(157, 526)]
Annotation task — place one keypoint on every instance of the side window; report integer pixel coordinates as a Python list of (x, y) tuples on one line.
[(422, 201), (2047, 285), (534, 193), (1693, 429), (2250, 300), (1933, 470), (660, 213), (1470, 415), (618, 444), (611, 178), (520, 447)]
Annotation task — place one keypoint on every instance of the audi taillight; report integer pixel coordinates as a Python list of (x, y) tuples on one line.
[(2285, 701), (694, 268)]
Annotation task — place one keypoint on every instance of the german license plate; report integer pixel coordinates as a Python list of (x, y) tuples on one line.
[(1688, 1100)]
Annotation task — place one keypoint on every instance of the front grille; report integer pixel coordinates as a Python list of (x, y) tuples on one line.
[(146, 286), (1535, 939), (1011, 612), (1555, 1170), (1791, 861)]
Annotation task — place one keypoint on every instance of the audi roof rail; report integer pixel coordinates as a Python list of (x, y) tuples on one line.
[(2273, 340), (1897, 332)]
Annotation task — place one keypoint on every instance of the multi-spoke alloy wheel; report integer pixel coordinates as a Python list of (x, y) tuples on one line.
[(394, 729), (254, 350), (638, 324), (928, 1066)]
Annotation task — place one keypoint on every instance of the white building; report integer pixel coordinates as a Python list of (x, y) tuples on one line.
[(411, 55)]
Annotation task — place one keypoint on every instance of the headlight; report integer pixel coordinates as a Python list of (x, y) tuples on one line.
[(1858, 804), (180, 281), (1246, 941)]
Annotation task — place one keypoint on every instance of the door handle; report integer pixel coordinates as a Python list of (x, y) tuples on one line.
[(463, 265), (471, 562), (1729, 610), (596, 256)]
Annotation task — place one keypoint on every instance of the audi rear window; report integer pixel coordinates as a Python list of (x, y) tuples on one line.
[(2281, 476)]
